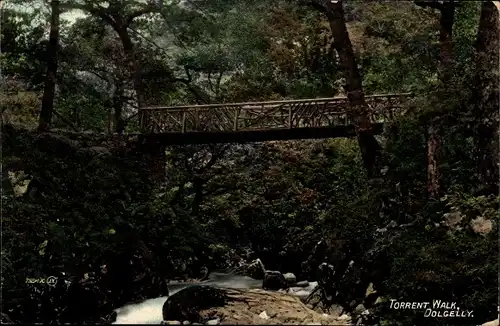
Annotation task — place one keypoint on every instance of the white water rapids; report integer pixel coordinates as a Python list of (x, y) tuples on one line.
[(150, 311)]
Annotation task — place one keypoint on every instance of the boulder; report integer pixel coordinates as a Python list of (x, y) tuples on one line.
[(274, 280), (371, 296), (213, 306), (359, 309), (290, 278), (367, 317), (254, 269), (186, 304), (215, 321), (301, 293), (302, 284), (260, 307), (480, 225)]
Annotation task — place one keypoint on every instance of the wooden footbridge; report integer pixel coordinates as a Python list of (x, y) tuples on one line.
[(261, 121)]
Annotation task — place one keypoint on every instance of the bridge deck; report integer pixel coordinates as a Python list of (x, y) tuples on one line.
[(271, 120)]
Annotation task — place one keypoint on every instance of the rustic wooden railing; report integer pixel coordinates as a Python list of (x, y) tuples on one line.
[(270, 115)]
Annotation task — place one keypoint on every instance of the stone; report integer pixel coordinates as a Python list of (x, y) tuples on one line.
[(302, 284), (187, 303), (245, 306), (171, 322), (290, 278), (370, 290), (360, 309), (263, 315), (274, 280), (213, 322), (186, 322), (254, 269), (480, 225), (492, 323), (452, 219), (380, 300)]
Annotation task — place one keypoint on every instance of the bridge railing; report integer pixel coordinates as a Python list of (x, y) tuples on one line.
[(288, 114)]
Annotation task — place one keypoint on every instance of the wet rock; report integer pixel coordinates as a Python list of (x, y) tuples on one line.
[(290, 278), (302, 284), (213, 322), (186, 304), (274, 280), (254, 269)]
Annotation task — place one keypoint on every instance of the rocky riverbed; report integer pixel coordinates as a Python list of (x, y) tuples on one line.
[(268, 297), (236, 307), (258, 307)]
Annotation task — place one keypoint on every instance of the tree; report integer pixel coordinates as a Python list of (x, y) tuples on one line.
[(51, 76), (486, 93), (120, 15), (445, 72), (358, 111)]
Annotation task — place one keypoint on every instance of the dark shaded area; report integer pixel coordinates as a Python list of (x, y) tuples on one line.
[(257, 136)]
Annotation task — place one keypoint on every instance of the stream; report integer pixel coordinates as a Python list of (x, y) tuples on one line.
[(150, 311)]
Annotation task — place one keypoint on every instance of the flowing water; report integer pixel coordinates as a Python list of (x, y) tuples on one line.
[(150, 311)]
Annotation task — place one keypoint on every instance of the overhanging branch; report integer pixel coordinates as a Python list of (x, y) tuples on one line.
[(96, 11), (149, 9)]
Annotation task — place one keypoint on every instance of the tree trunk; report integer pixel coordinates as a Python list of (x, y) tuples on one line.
[(50, 78), (370, 148), (486, 95), (445, 68), (118, 106), (445, 72), (433, 145), (134, 70)]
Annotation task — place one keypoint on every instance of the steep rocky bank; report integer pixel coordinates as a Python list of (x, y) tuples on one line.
[(260, 307)]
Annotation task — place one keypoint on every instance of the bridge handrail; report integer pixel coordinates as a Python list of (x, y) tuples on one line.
[(326, 99)]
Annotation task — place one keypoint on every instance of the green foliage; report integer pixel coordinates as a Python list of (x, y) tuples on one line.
[(429, 265), (277, 198)]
